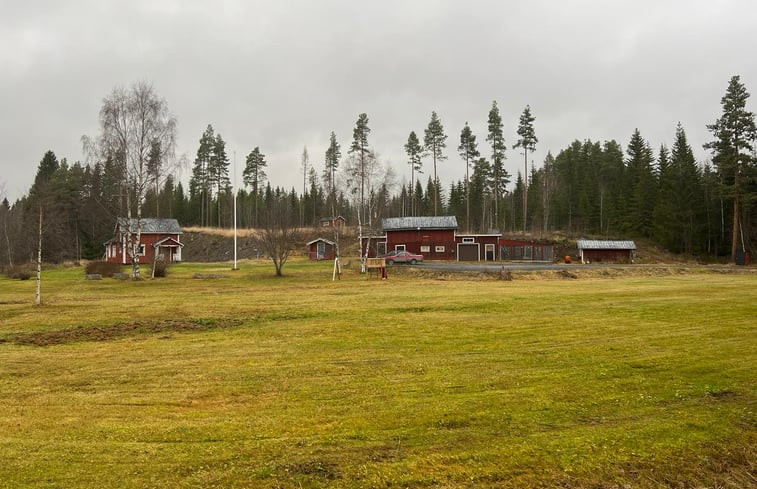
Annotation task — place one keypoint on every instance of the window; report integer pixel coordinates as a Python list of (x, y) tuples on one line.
[(439, 249), (425, 249), (141, 251), (399, 247), (469, 240)]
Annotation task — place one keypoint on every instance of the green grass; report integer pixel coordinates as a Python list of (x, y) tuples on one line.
[(254, 381)]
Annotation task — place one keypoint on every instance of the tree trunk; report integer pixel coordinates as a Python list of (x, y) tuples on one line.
[(7, 240), (525, 189), (735, 234), (38, 295)]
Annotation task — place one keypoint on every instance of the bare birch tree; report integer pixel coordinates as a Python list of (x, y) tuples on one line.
[(133, 121)]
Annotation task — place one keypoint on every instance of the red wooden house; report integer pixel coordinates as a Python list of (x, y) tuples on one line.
[(158, 236), (333, 222)]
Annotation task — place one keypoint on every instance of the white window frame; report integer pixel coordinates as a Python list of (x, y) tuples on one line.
[(399, 247), (426, 249), (469, 240), (439, 249), (142, 250)]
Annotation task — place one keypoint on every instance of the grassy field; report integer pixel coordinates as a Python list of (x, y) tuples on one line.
[(251, 381)]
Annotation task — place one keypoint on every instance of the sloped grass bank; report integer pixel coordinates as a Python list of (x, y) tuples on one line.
[(410, 382)]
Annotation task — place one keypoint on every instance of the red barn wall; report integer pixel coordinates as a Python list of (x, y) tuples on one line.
[(414, 239)]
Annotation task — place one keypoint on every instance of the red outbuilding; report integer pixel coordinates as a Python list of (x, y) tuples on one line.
[(591, 250), (158, 236), (321, 249)]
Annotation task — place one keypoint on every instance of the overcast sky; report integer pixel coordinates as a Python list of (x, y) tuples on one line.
[(283, 74)]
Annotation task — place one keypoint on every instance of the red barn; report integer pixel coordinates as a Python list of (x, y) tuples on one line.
[(432, 237), (158, 236)]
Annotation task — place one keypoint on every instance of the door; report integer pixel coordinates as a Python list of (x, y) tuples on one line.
[(320, 250), (467, 252), (490, 252)]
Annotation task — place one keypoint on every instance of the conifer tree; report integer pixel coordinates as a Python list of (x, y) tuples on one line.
[(642, 184), (200, 183), (468, 151), (219, 171), (414, 152), (333, 153), (254, 176), (733, 156), (499, 174), (528, 142), (434, 140)]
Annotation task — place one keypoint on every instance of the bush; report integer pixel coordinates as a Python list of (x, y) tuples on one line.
[(18, 273), (160, 268), (104, 268)]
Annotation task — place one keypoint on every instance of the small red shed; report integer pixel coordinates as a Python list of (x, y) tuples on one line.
[(157, 236), (591, 250), (321, 249)]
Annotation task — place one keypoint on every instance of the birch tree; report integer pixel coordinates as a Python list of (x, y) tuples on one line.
[(132, 121)]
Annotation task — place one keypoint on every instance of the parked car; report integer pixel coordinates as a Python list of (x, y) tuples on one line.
[(402, 256)]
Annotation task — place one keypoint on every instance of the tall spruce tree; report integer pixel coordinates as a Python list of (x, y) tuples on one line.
[(642, 184), (254, 176), (528, 142), (414, 152), (200, 183), (219, 171), (333, 153), (500, 177), (434, 140), (733, 156), (468, 151)]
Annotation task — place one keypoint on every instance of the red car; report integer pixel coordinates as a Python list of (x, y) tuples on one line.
[(402, 256)]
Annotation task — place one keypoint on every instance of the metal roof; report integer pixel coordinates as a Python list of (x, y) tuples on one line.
[(152, 225), (593, 244), (431, 222)]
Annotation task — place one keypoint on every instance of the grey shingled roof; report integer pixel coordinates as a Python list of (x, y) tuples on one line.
[(593, 244), (151, 225), (319, 239), (435, 222)]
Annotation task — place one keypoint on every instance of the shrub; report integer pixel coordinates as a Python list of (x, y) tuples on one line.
[(104, 268), (18, 273)]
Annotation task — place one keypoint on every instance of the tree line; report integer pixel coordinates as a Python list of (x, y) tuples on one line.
[(589, 188)]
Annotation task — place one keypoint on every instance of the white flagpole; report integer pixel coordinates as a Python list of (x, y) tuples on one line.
[(234, 196)]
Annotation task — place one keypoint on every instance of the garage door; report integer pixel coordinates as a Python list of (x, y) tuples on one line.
[(467, 252)]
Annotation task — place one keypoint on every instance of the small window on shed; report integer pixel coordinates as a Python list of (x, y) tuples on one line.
[(399, 247), (141, 251), (425, 249), (469, 240), (439, 249)]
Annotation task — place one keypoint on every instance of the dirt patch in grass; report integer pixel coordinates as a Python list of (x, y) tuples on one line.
[(116, 331), (320, 469)]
